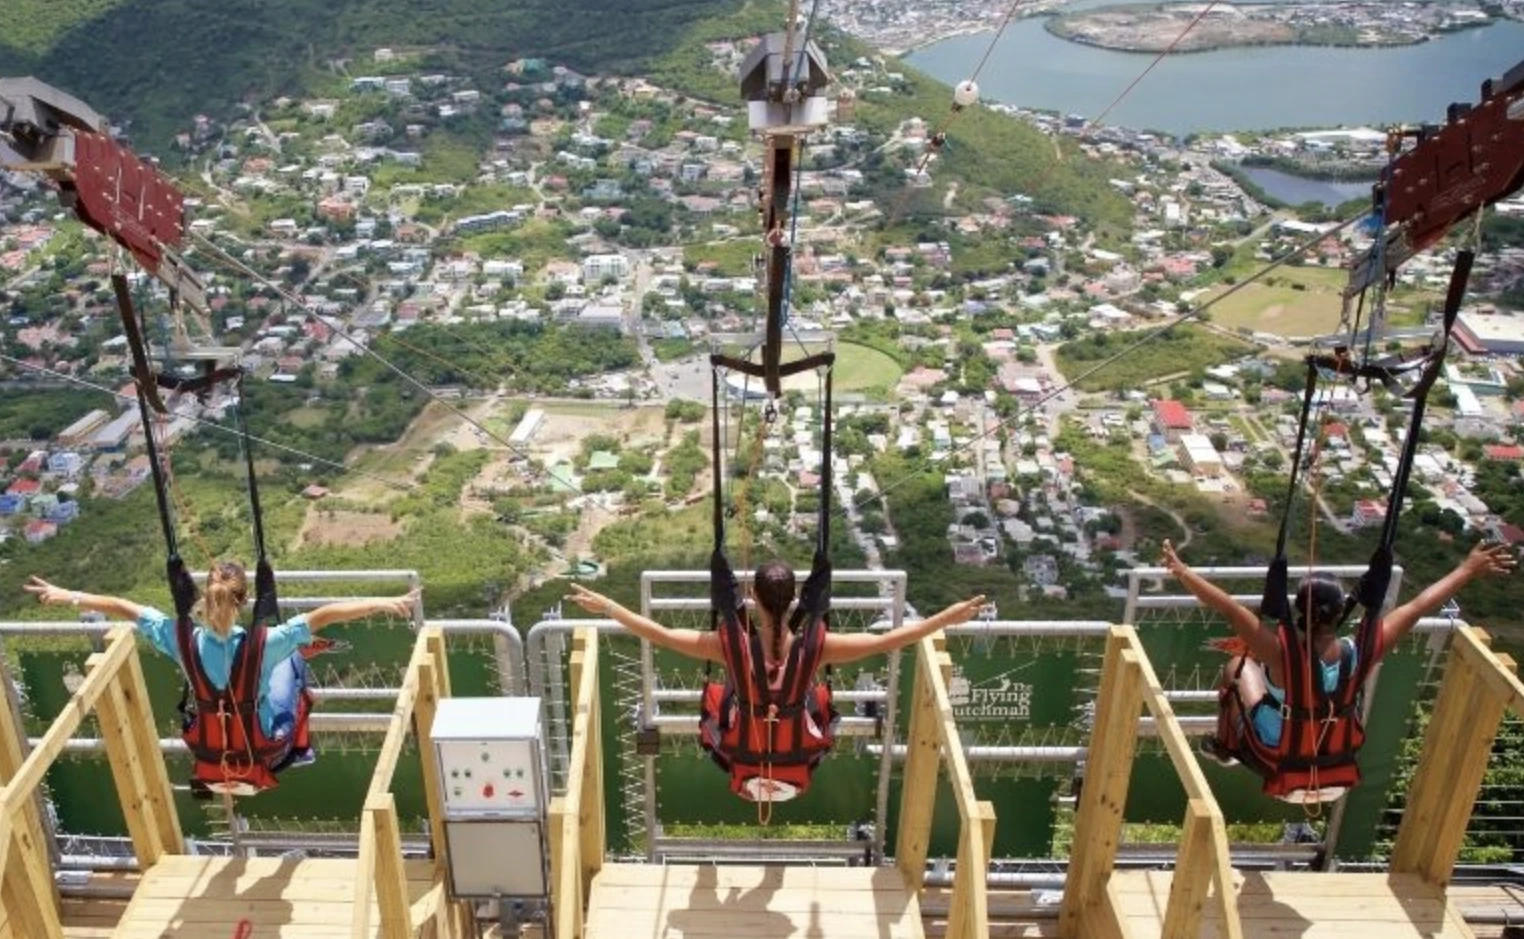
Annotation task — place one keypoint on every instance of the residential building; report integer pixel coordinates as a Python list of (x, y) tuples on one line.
[(1172, 420), (1367, 512), (598, 266), (81, 430)]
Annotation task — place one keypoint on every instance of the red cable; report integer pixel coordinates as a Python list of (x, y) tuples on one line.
[(244, 930)]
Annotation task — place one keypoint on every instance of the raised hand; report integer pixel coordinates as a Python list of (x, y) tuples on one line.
[(1170, 559), (45, 592), (402, 606), (1491, 559), (591, 601), (964, 611)]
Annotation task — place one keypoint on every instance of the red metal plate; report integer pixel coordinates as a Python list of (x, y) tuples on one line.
[(127, 199), (1476, 161)]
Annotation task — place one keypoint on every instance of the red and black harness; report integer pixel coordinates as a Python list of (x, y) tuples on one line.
[(1322, 731), (770, 740), (221, 727)]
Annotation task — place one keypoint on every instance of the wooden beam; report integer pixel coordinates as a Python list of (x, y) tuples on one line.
[(26, 881), (590, 816), (1192, 879), (112, 713), (566, 872), (1431, 791), (145, 734), (391, 881), (434, 638), (919, 788), (1167, 726), (402, 722), (97, 680), (365, 878), (952, 743), (424, 710), (1113, 743), (1490, 668), (1222, 877), (1485, 713), (21, 811)]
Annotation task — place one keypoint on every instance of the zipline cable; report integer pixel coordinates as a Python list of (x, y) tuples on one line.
[(1153, 335), (262, 441)]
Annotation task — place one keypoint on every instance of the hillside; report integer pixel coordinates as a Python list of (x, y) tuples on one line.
[(160, 62)]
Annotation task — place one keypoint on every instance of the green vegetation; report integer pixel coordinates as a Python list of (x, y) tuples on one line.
[(521, 356), (732, 258), (670, 350), (1177, 352), (683, 464), (39, 415), (160, 62)]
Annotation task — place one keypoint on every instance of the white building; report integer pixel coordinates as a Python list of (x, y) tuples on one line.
[(598, 266), (1199, 456)]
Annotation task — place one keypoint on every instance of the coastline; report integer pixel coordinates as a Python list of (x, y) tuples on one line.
[(933, 38), (1133, 49)]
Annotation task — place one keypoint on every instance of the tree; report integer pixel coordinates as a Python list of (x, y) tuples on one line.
[(977, 520), (1219, 441), (1221, 255)]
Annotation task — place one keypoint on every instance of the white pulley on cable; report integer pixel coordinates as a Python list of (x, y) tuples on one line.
[(965, 94)]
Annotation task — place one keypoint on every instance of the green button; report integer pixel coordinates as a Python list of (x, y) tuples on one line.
[(485, 756)]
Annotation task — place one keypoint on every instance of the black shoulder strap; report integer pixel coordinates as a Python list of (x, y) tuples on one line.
[(1274, 603), (266, 600)]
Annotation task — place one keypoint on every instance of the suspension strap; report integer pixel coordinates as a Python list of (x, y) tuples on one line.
[(143, 379), (1459, 277), (266, 600), (1274, 603)]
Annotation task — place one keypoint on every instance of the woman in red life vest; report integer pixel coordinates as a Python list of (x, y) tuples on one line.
[(771, 720), (1258, 692), (216, 642)]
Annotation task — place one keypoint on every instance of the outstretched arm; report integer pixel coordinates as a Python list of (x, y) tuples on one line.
[(343, 612), (116, 607), (841, 649), (1483, 559), (695, 644), (1262, 642)]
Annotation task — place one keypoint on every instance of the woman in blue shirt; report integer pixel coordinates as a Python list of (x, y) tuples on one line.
[(218, 635)]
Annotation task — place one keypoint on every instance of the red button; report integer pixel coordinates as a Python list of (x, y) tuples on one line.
[(487, 791)]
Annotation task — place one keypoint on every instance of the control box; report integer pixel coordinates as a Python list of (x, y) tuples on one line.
[(491, 757), (495, 779)]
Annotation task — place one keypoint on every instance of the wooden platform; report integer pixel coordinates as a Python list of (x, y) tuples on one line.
[(637, 901), (1308, 906), (206, 897)]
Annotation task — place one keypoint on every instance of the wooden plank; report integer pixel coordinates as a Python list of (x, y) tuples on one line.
[(364, 879), (1113, 742), (424, 709), (97, 680), (1430, 788), (918, 791), (21, 809), (568, 900), (159, 794), (1457, 748), (590, 816), (750, 876), (710, 897), (113, 714), (26, 881), (391, 884), (958, 776), (434, 639), (1193, 874), (970, 917), (1167, 726), (1492, 671), (402, 722)]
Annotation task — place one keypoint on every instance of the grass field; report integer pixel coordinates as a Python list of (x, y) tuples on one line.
[(1306, 301), (1177, 352), (859, 369)]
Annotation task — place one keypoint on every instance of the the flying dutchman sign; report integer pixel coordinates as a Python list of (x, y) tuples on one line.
[(995, 698)]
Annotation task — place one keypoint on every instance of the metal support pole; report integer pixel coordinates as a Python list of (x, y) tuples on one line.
[(890, 716)]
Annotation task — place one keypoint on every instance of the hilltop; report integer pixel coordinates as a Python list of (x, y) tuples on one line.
[(160, 62)]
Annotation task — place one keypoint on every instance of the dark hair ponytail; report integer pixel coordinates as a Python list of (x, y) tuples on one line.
[(773, 587), (1319, 603)]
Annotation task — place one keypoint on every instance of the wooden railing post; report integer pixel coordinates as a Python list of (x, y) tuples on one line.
[(1456, 750), (430, 690), (391, 880), (1192, 879), (566, 871), (145, 738), (918, 792), (26, 882), (590, 815), (1108, 766), (127, 771), (26, 825)]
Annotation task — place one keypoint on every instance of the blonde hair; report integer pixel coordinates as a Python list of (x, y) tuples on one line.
[(227, 589)]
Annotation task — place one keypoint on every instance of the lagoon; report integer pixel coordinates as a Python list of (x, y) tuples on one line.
[(1296, 190), (1260, 88)]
